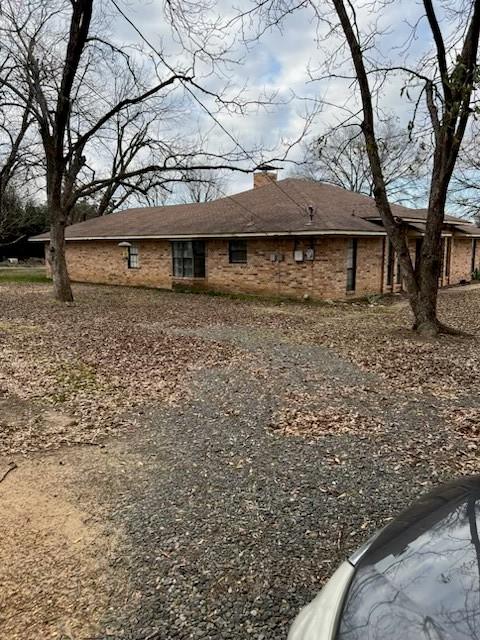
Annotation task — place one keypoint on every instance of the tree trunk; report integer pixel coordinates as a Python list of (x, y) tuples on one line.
[(428, 275), (424, 307), (428, 271), (62, 290)]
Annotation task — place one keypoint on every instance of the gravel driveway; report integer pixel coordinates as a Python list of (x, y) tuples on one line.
[(231, 527), (233, 505)]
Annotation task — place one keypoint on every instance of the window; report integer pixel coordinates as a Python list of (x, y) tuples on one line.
[(351, 264), (474, 254), (237, 251), (182, 259), (418, 250), (188, 259), (390, 264), (133, 257), (448, 257)]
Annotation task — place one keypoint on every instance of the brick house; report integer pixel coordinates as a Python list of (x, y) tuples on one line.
[(293, 238)]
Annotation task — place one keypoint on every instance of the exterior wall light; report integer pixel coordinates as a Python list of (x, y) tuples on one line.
[(125, 246)]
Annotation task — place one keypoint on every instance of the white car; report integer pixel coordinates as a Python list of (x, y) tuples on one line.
[(417, 579)]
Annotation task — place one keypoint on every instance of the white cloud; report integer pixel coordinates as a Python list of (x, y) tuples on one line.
[(279, 62)]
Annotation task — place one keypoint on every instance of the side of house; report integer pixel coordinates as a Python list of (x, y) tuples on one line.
[(292, 238), (318, 267)]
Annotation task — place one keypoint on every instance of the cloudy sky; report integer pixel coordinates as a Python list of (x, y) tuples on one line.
[(281, 61)]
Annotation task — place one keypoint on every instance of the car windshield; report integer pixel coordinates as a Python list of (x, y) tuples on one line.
[(421, 578)]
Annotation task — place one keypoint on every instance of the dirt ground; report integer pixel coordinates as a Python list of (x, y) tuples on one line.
[(55, 557), (194, 467)]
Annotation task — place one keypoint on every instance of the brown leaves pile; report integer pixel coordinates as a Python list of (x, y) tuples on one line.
[(297, 417), (95, 363), (379, 341), (118, 350), (465, 421)]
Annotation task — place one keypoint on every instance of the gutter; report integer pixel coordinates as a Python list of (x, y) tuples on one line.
[(459, 221), (268, 234)]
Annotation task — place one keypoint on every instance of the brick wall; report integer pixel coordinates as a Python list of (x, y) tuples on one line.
[(370, 253), (105, 262), (461, 261), (324, 277)]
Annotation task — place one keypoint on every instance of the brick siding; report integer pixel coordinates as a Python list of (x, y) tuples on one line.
[(105, 262), (262, 178), (270, 269), (461, 261)]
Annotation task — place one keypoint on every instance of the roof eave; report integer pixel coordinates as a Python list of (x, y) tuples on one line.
[(251, 234), (420, 219)]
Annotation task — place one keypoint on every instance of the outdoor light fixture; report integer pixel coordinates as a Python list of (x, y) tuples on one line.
[(125, 246)]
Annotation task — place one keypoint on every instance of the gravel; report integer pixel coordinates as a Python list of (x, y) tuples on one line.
[(298, 431), (232, 526)]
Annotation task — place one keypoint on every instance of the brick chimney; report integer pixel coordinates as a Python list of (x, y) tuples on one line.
[(264, 174)]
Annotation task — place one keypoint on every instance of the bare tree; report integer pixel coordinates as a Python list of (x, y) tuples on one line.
[(340, 157), (92, 100), (202, 186), (16, 161), (11, 212), (448, 94), (465, 192), (440, 84)]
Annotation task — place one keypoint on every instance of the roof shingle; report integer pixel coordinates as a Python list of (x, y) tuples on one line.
[(276, 208)]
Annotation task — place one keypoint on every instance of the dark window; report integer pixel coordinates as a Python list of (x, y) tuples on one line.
[(133, 258), (399, 273), (474, 254), (418, 250), (351, 264), (237, 251), (198, 248), (182, 259), (448, 257), (188, 259), (390, 263)]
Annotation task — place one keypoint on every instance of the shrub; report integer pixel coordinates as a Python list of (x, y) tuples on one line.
[(476, 274)]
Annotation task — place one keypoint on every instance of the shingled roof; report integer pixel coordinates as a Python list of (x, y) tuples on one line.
[(288, 207)]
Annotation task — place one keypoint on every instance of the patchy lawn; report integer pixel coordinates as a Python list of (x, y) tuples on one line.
[(244, 447), (23, 274)]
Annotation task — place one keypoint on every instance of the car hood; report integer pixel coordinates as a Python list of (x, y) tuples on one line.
[(420, 577)]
